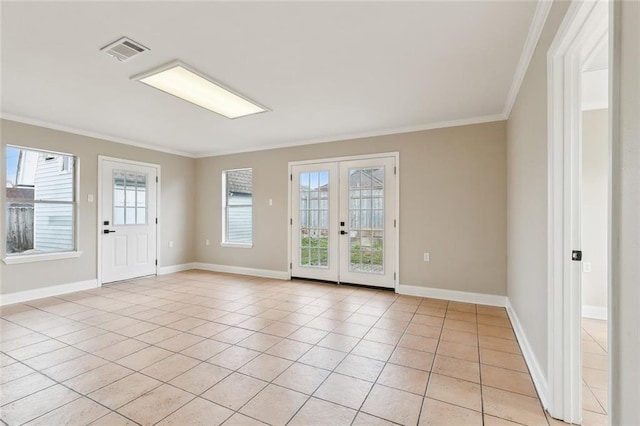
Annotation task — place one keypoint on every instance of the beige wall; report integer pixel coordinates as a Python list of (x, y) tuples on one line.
[(527, 195), (452, 204), (595, 206), (177, 213)]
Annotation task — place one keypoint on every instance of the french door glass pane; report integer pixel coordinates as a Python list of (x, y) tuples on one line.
[(314, 219), (366, 219)]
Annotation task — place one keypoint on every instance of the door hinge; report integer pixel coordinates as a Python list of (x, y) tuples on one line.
[(290, 221), (290, 265), (157, 179), (156, 220), (394, 276), (395, 170), (394, 223), (156, 262), (291, 177)]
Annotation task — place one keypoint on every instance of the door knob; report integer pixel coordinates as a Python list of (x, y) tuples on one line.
[(107, 231), (343, 232)]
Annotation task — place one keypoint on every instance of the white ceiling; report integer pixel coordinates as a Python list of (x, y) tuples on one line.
[(327, 70)]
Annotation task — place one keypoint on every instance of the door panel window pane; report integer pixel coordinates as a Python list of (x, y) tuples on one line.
[(141, 197), (141, 216), (314, 219), (129, 198), (366, 219)]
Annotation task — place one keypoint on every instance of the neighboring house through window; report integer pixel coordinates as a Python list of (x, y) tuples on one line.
[(40, 202), (237, 204)]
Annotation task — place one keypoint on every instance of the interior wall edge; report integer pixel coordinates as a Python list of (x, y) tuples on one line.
[(535, 369)]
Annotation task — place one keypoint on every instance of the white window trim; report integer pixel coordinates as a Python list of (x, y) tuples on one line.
[(224, 242), (43, 257), (14, 260), (236, 245)]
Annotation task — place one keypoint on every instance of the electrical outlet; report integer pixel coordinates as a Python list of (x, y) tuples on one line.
[(170, 244), (426, 257), (586, 267), (90, 198), (206, 242), (270, 202)]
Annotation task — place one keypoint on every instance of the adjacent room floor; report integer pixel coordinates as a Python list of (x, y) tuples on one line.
[(595, 376), (204, 348)]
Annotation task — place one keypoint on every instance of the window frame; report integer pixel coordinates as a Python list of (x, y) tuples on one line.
[(19, 258), (225, 214)]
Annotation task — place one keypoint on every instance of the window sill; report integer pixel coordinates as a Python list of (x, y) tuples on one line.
[(237, 245), (14, 260)]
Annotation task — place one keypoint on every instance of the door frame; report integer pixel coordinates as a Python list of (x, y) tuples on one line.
[(396, 234), (584, 26), (101, 160)]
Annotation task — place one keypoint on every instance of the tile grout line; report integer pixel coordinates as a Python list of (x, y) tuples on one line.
[(324, 295), (330, 371), (482, 413)]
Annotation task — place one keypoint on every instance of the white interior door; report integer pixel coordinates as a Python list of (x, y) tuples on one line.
[(343, 221), (128, 235)]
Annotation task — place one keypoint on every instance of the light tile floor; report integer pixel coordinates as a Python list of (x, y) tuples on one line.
[(204, 348), (594, 372)]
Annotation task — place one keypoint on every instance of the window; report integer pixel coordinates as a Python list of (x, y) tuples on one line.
[(237, 202), (40, 202)]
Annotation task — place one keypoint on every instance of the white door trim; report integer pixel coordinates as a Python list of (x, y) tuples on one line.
[(396, 155), (101, 160), (584, 25)]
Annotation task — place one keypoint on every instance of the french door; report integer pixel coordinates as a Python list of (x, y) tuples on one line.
[(128, 228), (343, 221)]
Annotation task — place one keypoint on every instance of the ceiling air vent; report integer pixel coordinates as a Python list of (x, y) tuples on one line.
[(124, 49)]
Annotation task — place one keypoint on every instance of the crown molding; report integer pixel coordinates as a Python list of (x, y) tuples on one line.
[(335, 138), (535, 31), (350, 136), (95, 135)]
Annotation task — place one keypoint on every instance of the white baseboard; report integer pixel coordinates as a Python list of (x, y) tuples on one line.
[(456, 296), (164, 270), (264, 273), (595, 312), (39, 293), (538, 376)]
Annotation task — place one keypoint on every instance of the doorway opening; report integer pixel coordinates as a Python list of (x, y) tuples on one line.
[(579, 206), (595, 233), (128, 206)]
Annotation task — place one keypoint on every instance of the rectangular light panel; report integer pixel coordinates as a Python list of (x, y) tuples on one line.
[(179, 81)]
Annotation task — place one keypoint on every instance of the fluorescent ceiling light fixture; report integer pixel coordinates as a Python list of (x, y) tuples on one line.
[(185, 83)]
